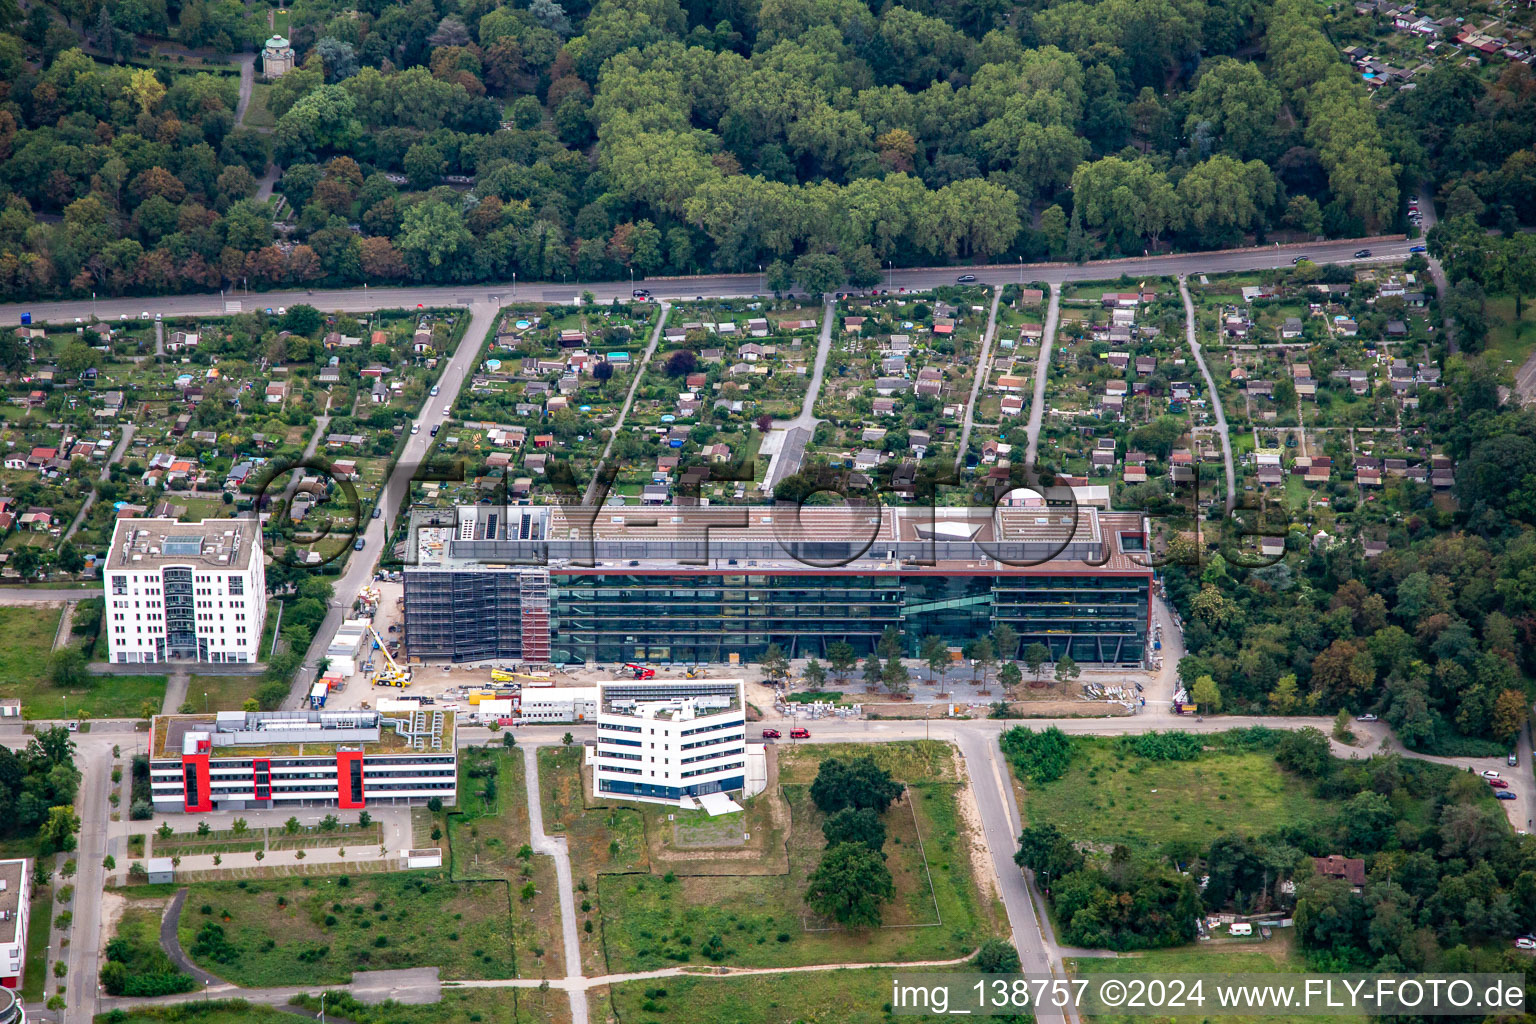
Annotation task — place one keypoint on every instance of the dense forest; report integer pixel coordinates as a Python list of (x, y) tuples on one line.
[(449, 141)]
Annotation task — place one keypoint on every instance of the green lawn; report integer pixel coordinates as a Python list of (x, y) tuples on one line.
[(220, 1011), (1110, 797), (225, 693), (315, 931), (35, 972), (29, 633), (847, 997), (1509, 338), (1273, 957), (257, 113), (760, 920), (485, 838), (464, 1006)]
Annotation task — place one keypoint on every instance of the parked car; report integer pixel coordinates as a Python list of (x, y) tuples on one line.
[(377, 512), (434, 390), (1525, 943), (1513, 759), (800, 734), (1490, 774), (1361, 254), (435, 428), (1365, 718), (357, 545), (965, 279), (415, 428), (1497, 783), (1505, 794), (771, 734)]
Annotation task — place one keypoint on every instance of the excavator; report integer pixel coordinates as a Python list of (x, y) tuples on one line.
[(392, 674)]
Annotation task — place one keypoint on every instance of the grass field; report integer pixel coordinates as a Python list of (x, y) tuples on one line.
[(1276, 956), (484, 841), (1110, 797), (29, 633), (225, 693), (909, 761), (35, 973), (316, 931), (760, 920), (493, 1006), (1509, 338), (847, 997), (258, 114), (222, 1011)]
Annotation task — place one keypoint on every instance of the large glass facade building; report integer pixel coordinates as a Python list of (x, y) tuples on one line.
[(697, 585)]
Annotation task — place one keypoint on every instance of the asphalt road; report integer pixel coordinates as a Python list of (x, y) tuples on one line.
[(365, 299)]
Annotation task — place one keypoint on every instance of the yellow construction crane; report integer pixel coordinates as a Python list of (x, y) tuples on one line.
[(392, 674)]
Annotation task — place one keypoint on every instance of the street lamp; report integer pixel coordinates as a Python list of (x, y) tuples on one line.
[(205, 702), (514, 284), (889, 283), (1021, 271)]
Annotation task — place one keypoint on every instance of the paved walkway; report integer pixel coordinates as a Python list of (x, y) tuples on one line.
[(982, 372), (1210, 383), (574, 983), (170, 942), (176, 685), (103, 477), (247, 62), (793, 435), (629, 400)]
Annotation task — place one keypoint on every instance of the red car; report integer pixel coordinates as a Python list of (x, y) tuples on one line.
[(771, 734), (800, 734), (1497, 783)]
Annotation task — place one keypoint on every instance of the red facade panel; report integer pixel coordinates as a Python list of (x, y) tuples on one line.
[(349, 779), (196, 792)]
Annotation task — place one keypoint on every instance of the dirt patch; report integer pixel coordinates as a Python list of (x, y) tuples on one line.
[(1059, 708), (112, 906), (975, 841)]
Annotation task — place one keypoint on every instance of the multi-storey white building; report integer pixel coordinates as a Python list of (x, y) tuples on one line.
[(184, 591), (15, 885), (664, 739), (252, 759)]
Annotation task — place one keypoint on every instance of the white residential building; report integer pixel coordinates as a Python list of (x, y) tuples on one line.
[(15, 895), (184, 591), (664, 739)]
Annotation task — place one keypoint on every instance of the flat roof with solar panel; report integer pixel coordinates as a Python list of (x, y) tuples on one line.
[(209, 544), (1019, 536)]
